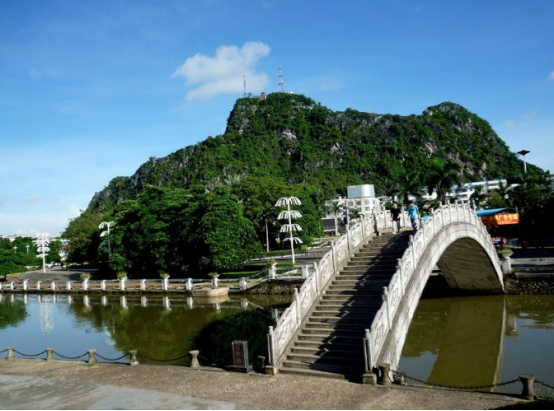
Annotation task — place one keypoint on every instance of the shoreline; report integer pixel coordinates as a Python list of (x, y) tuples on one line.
[(227, 389)]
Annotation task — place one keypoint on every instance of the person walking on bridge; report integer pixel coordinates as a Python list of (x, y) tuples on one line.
[(395, 216), (413, 212)]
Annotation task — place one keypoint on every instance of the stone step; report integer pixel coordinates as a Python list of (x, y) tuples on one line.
[(330, 368), (325, 336), (345, 345), (344, 359)]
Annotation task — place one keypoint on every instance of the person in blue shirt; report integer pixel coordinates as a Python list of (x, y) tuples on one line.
[(413, 212)]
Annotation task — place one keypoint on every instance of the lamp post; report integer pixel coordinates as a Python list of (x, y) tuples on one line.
[(107, 224), (42, 247), (523, 153), (28, 246), (290, 214)]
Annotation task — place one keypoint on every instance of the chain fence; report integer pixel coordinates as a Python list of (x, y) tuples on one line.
[(140, 355), (111, 359), (69, 358), (29, 355), (400, 375)]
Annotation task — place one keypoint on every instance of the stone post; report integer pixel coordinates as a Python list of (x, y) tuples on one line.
[(298, 307), (142, 285), (528, 389), (53, 285), (11, 355), (304, 272), (194, 360), (133, 354), (85, 284), (91, 356), (334, 255), (49, 354), (68, 285), (103, 285), (242, 284), (506, 264), (165, 284), (39, 283), (122, 283), (25, 285), (12, 286), (188, 285), (215, 281), (272, 271), (384, 378)]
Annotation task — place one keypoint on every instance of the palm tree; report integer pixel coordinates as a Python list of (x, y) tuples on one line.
[(442, 175), (336, 208)]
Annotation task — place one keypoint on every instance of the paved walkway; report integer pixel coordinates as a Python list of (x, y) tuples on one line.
[(37, 384)]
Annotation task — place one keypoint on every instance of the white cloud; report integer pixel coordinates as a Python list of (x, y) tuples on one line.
[(223, 73), (530, 115), (551, 76), (510, 123)]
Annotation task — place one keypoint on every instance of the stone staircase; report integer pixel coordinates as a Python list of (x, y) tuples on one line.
[(330, 343)]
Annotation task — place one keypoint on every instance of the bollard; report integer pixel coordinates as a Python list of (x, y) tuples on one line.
[(11, 286), (142, 285), (133, 354), (194, 361), (103, 285), (384, 378), (39, 284), (91, 356), (68, 285), (85, 284), (528, 389), (53, 285), (25, 285), (11, 355), (188, 285), (49, 354)]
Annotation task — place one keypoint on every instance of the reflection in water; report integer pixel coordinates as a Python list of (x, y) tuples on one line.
[(468, 341), (160, 327)]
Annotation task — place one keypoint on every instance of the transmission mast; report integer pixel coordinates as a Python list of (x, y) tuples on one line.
[(244, 80), (281, 84)]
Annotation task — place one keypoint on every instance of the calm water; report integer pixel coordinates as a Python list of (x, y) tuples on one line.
[(160, 328), (482, 340), (459, 341)]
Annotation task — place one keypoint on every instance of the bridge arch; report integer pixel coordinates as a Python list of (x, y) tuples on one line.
[(456, 241)]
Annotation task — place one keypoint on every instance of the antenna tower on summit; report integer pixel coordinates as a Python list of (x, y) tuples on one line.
[(281, 84), (245, 93)]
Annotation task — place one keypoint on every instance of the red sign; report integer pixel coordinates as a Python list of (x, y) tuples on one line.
[(500, 219)]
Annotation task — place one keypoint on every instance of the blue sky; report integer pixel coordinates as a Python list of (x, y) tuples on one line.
[(89, 90)]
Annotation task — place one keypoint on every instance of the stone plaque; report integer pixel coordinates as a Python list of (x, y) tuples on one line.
[(240, 356)]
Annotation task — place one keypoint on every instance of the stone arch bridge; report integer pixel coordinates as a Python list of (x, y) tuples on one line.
[(378, 309)]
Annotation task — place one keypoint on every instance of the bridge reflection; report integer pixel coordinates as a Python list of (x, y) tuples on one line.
[(467, 336)]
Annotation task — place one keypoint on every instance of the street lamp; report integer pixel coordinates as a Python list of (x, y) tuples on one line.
[(522, 153), (42, 247), (290, 214), (107, 233)]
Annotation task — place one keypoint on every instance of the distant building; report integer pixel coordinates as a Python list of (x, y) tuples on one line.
[(360, 197)]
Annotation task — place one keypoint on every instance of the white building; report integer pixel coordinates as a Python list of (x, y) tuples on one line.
[(465, 192), (360, 197)]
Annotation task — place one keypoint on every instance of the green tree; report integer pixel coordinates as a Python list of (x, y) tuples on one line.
[(84, 237)]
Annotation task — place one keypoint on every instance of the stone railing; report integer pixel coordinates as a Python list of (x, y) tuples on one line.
[(317, 277), (406, 274)]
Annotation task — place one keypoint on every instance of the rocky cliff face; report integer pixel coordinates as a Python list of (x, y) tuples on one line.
[(292, 138)]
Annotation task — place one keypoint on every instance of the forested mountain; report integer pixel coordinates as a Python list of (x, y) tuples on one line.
[(296, 140)]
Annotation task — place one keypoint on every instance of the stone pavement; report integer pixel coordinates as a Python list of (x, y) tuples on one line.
[(37, 384)]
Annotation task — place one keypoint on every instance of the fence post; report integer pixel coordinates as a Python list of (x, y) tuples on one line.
[(91, 356), (298, 307), (49, 354), (143, 285), (528, 389), (85, 284), (11, 355), (385, 299), (25, 284), (68, 285), (53, 285), (243, 284), (305, 272), (188, 285), (133, 354), (39, 283), (103, 285), (194, 360)]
